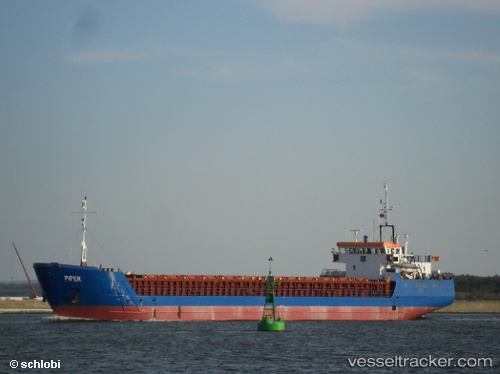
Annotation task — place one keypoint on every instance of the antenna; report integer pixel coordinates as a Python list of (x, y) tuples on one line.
[(384, 211), (84, 229)]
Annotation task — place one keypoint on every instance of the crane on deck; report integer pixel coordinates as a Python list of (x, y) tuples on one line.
[(34, 295)]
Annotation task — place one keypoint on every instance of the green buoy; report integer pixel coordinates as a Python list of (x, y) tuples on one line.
[(269, 322)]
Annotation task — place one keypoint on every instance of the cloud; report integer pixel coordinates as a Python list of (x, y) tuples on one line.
[(110, 55), (343, 12), (390, 52), (321, 11), (87, 25), (422, 76), (103, 56), (473, 57)]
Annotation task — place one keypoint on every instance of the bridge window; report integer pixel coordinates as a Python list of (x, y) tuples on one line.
[(363, 259)]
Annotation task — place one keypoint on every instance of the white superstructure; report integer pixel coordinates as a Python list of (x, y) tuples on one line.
[(371, 260)]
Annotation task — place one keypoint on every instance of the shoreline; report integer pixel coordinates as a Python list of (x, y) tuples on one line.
[(17, 305), (25, 311), (472, 306), (37, 306)]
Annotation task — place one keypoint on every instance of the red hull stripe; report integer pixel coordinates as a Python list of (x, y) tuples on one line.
[(222, 313)]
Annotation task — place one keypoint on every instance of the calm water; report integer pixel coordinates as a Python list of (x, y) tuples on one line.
[(237, 347)]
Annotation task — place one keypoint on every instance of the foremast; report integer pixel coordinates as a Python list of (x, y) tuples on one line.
[(83, 261)]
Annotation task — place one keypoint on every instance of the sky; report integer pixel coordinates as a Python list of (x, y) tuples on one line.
[(211, 135)]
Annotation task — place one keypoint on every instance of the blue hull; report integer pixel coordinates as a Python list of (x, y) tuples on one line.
[(88, 292)]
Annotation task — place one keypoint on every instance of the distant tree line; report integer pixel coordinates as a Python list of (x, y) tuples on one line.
[(472, 287), (18, 289)]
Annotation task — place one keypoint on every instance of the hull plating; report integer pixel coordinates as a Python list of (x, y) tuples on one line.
[(86, 292), (222, 313)]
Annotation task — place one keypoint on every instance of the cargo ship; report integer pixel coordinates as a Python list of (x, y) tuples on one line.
[(381, 281)]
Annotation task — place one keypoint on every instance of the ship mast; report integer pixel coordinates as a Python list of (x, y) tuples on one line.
[(84, 229), (384, 212), (84, 211)]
